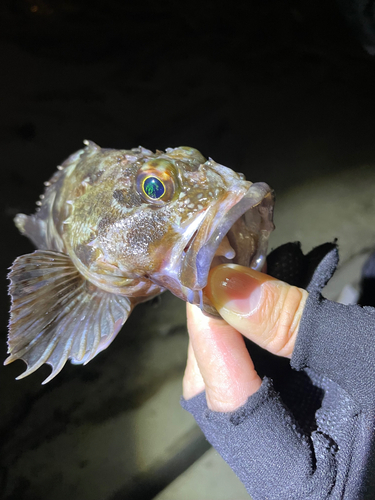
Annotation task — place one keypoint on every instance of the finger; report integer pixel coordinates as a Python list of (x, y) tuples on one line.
[(223, 361), (192, 383), (265, 310)]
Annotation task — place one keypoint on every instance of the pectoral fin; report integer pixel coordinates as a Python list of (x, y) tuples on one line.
[(57, 314)]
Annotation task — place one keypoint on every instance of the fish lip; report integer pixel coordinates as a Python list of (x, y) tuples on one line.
[(256, 206)]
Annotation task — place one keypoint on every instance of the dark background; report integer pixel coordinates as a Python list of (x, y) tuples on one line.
[(281, 90)]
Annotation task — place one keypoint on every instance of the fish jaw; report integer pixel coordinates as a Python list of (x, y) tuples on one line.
[(239, 225)]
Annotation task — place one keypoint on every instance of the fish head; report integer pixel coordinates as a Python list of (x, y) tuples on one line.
[(219, 217), (191, 213)]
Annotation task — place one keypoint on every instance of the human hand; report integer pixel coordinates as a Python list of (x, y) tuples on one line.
[(252, 304), (290, 438)]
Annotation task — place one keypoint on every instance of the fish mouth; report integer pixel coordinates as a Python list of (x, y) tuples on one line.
[(234, 230)]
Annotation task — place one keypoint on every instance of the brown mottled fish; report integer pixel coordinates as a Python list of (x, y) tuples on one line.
[(115, 228)]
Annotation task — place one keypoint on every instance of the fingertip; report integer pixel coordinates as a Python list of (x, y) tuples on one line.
[(199, 322), (263, 309)]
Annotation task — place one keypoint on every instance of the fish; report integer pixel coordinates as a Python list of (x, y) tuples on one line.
[(115, 228)]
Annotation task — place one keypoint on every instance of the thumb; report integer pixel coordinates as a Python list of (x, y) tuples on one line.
[(263, 309)]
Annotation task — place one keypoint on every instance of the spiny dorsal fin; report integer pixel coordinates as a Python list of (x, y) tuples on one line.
[(57, 314)]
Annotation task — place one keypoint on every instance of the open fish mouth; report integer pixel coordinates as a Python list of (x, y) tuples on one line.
[(238, 234)]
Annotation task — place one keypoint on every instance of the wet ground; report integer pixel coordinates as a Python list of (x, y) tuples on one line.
[(281, 91)]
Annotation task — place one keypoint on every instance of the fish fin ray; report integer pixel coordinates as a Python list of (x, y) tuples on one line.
[(56, 314)]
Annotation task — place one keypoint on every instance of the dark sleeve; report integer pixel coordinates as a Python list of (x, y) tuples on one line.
[(334, 340), (263, 445), (337, 341)]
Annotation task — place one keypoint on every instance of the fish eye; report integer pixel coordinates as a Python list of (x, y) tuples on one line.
[(155, 181), (153, 187)]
